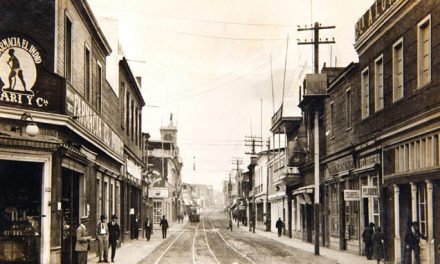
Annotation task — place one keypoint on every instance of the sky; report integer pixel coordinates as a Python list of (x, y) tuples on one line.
[(211, 64)]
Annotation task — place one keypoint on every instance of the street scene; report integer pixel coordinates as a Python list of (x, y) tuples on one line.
[(219, 131)]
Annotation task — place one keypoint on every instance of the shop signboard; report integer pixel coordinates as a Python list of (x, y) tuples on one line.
[(84, 114), (24, 82), (134, 170), (158, 192), (369, 191), (352, 195)]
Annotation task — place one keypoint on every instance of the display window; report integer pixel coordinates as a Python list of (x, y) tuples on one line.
[(20, 211)]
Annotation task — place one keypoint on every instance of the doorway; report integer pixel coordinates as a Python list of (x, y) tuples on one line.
[(70, 211)]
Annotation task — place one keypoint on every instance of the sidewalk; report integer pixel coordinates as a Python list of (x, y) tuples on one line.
[(133, 251), (341, 257)]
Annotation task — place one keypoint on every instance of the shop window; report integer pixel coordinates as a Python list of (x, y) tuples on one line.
[(376, 203), (112, 202), (98, 197), (157, 211), (424, 52), (334, 211), (105, 198), (365, 93), (352, 212), (398, 70), (84, 210), (422, 207), (378, 84)]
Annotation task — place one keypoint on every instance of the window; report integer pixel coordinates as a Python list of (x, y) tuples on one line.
[(87, 74), (348, 108), (376, 202), (105, 198), (140, 126), (98, 197), (132, 120), (136, 132), (68, 49), (398, 70), (332, 120), (422, 207), (112, 199), (99, 88), (123, 105), (127, 112), (424, 51), (378, 84), (334, 213), (365, 93), (351, 211), (157, 211)]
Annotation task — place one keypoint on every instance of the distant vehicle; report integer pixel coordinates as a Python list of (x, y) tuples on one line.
[(193, 215)]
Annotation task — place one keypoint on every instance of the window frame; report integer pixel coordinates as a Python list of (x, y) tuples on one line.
[(87, 73), (420, 81), (348, 106), (332, 120), (365, 93), (99, 84), (399, 42), (378, 101), (68, 48)]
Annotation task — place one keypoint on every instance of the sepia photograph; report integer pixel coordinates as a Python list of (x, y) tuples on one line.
[(219, 131)]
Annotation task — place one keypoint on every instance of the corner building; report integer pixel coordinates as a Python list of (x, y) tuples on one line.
[(61, 152)]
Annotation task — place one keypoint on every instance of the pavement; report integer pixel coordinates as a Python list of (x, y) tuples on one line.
[(342, 257), (133, 251)]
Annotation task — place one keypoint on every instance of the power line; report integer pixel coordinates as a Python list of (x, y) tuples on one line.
[(206, 20)]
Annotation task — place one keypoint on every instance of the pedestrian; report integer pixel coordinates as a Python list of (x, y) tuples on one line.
[(367, 237), (378, 245), (164, 225), (230, 224), (114, 235), (82, 242), (412, 241), (148, 227), (136, 227), (102, 234), (279, 225)]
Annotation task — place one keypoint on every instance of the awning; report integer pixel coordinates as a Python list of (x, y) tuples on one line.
[(305, 189)]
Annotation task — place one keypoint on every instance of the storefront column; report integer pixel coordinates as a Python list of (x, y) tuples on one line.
[(397, 249), (413, 201), (430, 220)]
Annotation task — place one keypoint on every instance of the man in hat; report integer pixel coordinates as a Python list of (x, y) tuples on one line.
[(114, 234), (412, 241), (164, 225), (82, 242), (102, 234), (148, 228)]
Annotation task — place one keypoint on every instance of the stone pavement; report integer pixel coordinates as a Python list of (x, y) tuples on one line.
[(341, 257), (133, 251)]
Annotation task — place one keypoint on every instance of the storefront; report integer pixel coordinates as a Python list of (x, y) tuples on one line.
[(278, 210), (302, 213)]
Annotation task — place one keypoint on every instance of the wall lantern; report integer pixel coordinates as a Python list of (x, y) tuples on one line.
[(28, 124)]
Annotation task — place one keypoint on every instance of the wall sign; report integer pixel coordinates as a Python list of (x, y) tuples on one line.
[(158, 192), (369, 191), (352, 195), (23, 81)]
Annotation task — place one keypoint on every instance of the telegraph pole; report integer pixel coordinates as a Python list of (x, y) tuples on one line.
[(253, 142), (316, 42)]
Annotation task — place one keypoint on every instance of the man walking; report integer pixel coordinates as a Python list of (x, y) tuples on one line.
[(279, 225), (230, 224), (114, 234), (164, 225), (367, 237), (82, 242), (148, 227), (102, 234), (412, 241)]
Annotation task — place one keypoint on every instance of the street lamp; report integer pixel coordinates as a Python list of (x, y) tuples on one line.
[(31, 128)]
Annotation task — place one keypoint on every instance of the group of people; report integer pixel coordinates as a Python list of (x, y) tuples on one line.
[(374, 243), (108, 235)]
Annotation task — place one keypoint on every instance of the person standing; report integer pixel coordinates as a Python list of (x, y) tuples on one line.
[(367, 237), (230, 224), (136, 227), (164, 225), (82, 242), (102, 234), (412, 241), (114, 235), (148, 227), (279, 225), (378, 245)]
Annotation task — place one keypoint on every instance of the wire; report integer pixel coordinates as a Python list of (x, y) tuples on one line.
[(203, 20)]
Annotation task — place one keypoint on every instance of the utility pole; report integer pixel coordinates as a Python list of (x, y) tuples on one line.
[(253, 142), (316, 42)]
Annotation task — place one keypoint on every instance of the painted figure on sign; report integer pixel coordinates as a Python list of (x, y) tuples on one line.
[(14, 64)]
